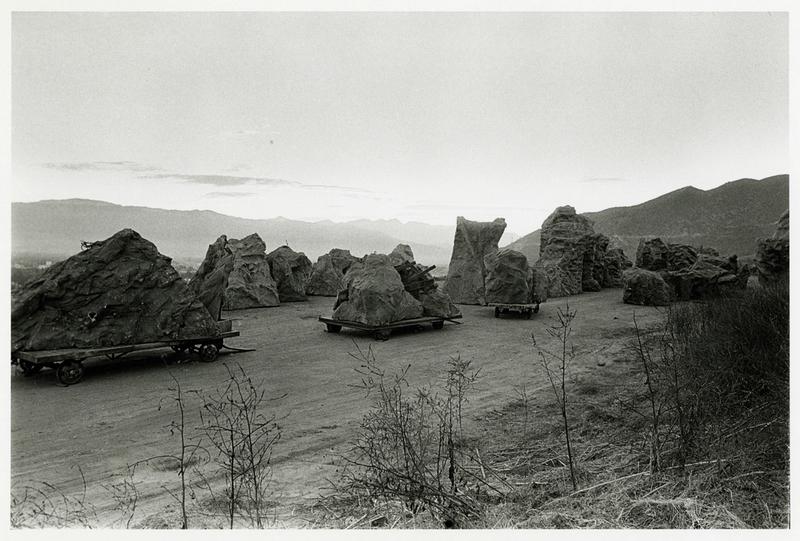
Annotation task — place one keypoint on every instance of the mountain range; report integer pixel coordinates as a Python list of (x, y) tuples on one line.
[(730, 218)]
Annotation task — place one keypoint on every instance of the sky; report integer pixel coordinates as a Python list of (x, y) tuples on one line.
[(414, 116)]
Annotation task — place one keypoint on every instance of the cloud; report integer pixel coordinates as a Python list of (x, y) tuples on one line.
[(101, 166), (601, 180), (228, 194), (235, 180)]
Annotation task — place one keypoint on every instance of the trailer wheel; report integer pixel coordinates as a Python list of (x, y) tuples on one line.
[(28, 368), (438, 324), (528, 313), (69, 372), (383, 334), (496, 311), (179, 348), (208, 353), (536, 308), (330, 327)]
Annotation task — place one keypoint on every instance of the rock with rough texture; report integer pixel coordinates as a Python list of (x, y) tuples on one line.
[(211, 279), (326, 279), (645, 287), (508, 277), (401, 254), (436, 303), (375, 294), (342, 259), (538, 284), (291, 271), (250, 283), (467, 273), (116, 292), (571, 254), (615, 263), (772, 255), (656, 255)]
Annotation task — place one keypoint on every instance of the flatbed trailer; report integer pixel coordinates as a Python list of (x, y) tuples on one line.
[(68, 363), (383, 332), (526, 310)]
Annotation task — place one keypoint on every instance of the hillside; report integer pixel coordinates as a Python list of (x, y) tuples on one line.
[(57, 227), (729, 218)]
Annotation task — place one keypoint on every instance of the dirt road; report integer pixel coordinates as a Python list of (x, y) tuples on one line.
[(121, 411)]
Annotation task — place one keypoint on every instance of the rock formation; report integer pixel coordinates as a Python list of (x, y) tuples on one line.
[(235, 275), (509, 279), (645, 287), (211, 279), (689, 273), (401, 254), (467, 273), (115, 292), (250, 283), (574, 257), (326, 280), (375, 294), (772, 255), (291, 271)]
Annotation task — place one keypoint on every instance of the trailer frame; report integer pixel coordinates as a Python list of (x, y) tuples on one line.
[(383, 332), (524, 309)]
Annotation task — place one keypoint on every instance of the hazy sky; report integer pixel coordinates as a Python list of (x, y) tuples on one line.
[(416, 116)]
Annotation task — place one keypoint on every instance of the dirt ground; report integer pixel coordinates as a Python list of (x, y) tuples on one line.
[(120, 413)]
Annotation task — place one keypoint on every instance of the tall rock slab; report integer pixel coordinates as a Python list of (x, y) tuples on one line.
[(572, 254), (211, 279), (772, 255), (250, 283), (291, 271), (117, 291), (466, 274)]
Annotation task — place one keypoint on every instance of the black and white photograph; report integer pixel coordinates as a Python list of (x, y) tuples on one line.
[(365, 267)]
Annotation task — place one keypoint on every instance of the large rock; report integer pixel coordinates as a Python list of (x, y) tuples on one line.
[(211, 279), (250, 284), (401, 254), (645, 287), (342, 259), (375, 294), (615, 263), (291, 271), (436, 303), (657, 255), (772, 255), (117, 291), (571, 254), (326, 279), (538, 284), (508, 277), (466, 273)]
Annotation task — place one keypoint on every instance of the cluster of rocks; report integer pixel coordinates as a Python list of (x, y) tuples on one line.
[(115, 292), (238, 274), (667, 272), (772, 255), (575, 258), (382, 289)]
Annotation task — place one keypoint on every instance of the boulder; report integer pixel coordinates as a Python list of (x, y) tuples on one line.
[(291, 271), (342, 259), (436, 303), (538, 284), (645, 287), (326, 279), (571, 254), (115, 292), (656, 255), (466, 273), (375, 294), (211, 279), (772, 255), (401, 254), (615, 262), (250, 283), (508, 277)]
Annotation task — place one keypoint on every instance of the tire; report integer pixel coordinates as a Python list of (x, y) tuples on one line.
[(528, 314), (383, 335), (208, 353), (69, 372)]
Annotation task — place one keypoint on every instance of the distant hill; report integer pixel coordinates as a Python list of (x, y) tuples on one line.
[(729, 218), (57, 227)]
